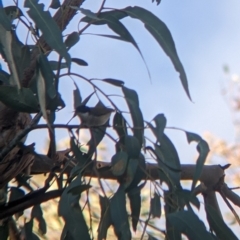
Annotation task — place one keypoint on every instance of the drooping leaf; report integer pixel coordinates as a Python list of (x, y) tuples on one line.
[(136, 114), (120, 126), (41, 89), (80, 157), (161, 33), (4, 77), (38, 215), (218, 225), (79, 61), (132, 146), (77, 98), (29, 231), (115, 82), (48, 75), (4, 20), (185, 197), (22, 101), (203, 150), (155, 206), (160, 122), (119, 215), (71, 212), (4, 229), (135, 205), (49, 28), (119, 163), (105, 221), (55, 4), (188, 223), (6, 50), (136, 172), (72, 39), (89, 13), (55, 65)]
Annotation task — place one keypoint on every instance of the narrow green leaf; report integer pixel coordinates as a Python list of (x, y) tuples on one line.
[(72, 39), (120, 126), (160, 121), (22, 101), (218, 225), (41, 89), (55, 65), (4, 228), (161, 33), (119, 215), (155, 206), (80, 157), (136, 114), (188, 223), (4, 20), (105, 221), (192, 137), (119, 163), (38, 215), (77, 98), (132, 146), (135, 205), (105, 15), (72, 214), (115, 82), (203, 151), (49, 28), (89, 13), (55, 4), (48, 75), (6, 48), (4, 77), (79, 61)]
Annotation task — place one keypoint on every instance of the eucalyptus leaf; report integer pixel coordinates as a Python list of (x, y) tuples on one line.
[(49, 28), (79, 62), (72, 39), (119, 163)]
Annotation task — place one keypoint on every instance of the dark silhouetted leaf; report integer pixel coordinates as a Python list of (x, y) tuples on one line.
[(41, 90), (48, 75), (119, 215), (77, 98), (55, 65), (21, 100), (79, 61), (49, 28), (203, 150), (135, 205), (217, 224), (136, 114), (55, 4), (4, 228), (188, 223), (4, 77), (16, 193), (72, 39), (71, 212), (29, 232), (120, 126), (155, 206), (119, 163), (38, 215), (115, 82), (4, 20), (160, 122), (105, 221), (132, 146)]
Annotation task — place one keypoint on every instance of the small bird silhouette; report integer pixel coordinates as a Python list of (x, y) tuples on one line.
[(93, 116)]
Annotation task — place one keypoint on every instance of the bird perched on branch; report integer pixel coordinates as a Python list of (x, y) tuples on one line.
[(93, 116)]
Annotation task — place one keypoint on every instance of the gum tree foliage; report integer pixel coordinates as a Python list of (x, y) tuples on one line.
[(29, 91)]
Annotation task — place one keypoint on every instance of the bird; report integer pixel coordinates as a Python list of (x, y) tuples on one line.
[(93, 116)]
